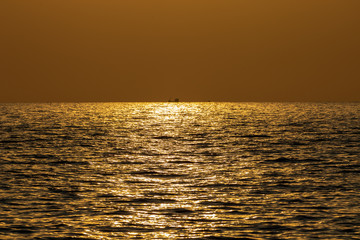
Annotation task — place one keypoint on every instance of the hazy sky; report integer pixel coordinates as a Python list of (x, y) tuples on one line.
[(195, 50)]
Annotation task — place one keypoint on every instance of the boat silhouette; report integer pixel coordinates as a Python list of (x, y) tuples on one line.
[(175, 100)]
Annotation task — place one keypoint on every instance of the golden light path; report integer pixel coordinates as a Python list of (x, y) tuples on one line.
[(166, 137)]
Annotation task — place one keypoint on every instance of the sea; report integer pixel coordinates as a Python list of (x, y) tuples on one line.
[(180, 171)]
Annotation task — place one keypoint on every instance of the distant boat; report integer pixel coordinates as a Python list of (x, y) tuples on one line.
[(175, 100)]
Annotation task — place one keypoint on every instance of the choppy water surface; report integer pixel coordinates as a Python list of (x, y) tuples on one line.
[(179, 170)]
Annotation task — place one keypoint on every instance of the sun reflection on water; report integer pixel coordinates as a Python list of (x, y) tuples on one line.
[(164, 198)]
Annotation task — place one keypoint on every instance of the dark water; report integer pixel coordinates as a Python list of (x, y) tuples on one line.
[(180, 171)]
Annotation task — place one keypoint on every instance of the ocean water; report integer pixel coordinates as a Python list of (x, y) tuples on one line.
[(180, 171)]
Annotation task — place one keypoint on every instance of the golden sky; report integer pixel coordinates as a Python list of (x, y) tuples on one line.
[(195, 50)]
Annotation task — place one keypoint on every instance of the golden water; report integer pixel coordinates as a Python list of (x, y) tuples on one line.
[(179, 171)]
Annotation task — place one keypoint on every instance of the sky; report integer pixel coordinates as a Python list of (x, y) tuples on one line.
[(194, 50)]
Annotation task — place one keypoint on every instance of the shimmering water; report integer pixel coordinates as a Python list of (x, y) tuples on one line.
[(180, 170)]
